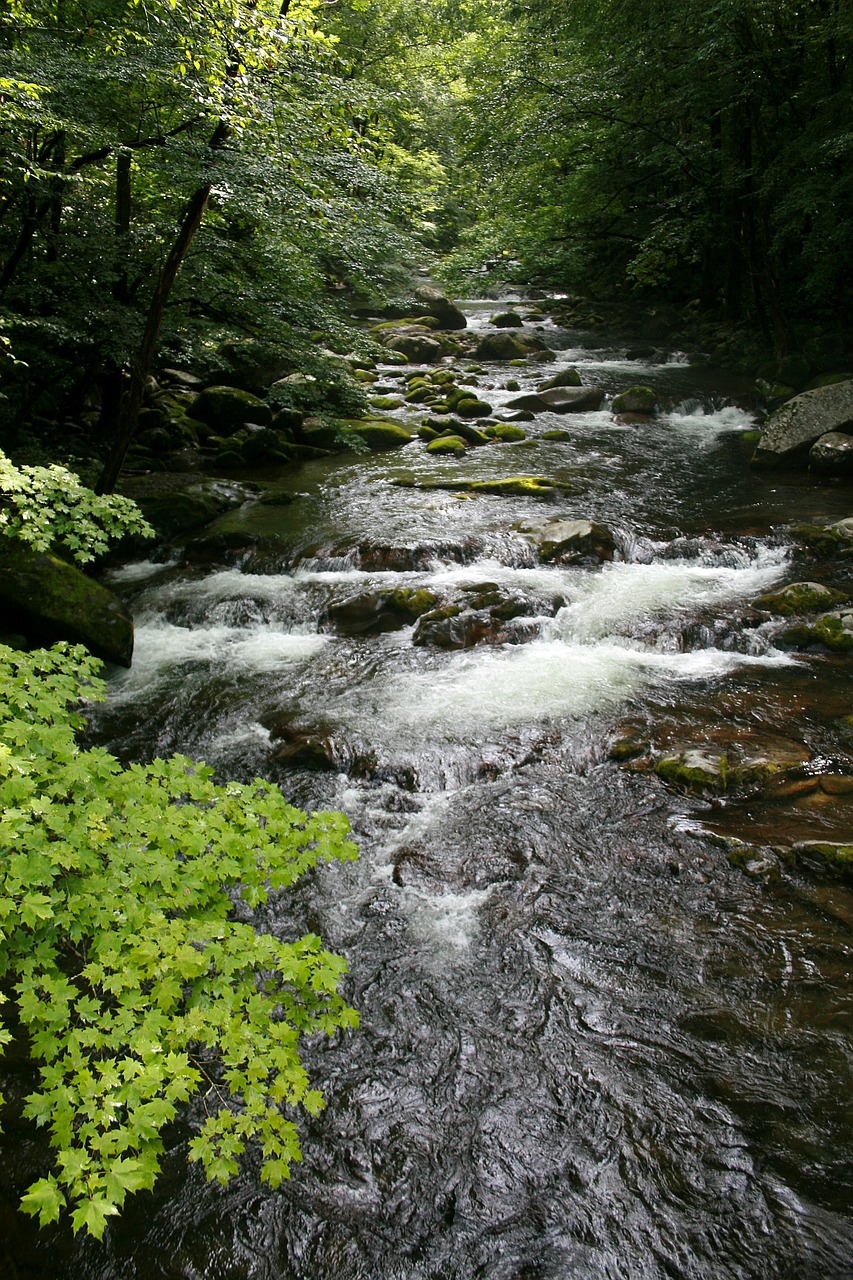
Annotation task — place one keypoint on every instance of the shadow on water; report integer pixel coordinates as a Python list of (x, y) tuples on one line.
[(589, 1046)]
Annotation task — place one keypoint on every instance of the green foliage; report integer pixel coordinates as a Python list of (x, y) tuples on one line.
[(134, 983), (49, 507)]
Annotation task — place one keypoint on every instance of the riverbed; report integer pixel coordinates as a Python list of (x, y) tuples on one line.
[(590, 1046)]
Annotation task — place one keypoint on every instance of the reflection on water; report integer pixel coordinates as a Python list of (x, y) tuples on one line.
[(589, 1047)]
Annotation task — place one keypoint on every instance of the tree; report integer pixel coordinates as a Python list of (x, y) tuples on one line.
[(130, 127)]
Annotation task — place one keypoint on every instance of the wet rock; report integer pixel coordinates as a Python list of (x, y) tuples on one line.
[(560, 400), (791, 430), (800, 597), (453, 446), (517, 415), (415, 345), (471, 435), (174, 504), (500, 346), (758, 863), (46, 599), (826, 855), (483, 619), (471, 407), (507, 320), (832, 455), (565, 378), (636, 400), (557, 434), (827, 540), (226, 409), (379, 435), (506, 433), (376, 612), (386, 403), (575, 542), (434, 303), (304, 750), (833, 631)]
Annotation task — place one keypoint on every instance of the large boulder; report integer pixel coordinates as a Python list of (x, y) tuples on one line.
[(434, 303), (227, 409), (47, 599), (560, 400), (790, 431), (501, 346)]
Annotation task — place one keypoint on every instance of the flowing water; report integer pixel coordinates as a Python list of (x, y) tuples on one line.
[(589, 1047)]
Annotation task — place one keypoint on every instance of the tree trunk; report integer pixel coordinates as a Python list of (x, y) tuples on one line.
[(140, 364)]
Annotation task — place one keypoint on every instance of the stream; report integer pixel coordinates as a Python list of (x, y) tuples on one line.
[(589, 1046)]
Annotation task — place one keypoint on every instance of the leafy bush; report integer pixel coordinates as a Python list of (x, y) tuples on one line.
[(49, 506), (134, 983)]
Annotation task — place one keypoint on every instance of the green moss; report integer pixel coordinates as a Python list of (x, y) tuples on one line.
[(506, 432), (447, 444), (412, 602), (380, 435), (800, 597), (836, 857), (557, 434), (828, 632), (693, 770), (386, 402)]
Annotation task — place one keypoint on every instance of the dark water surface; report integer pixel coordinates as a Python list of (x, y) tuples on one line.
[(589, 1047)]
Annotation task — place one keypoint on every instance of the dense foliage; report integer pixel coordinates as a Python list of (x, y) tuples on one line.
[(129, 975), (700, 151), (49, 507)]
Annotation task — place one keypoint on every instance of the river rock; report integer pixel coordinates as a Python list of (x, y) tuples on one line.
[(507, 320), (575, 542), (379, 435), (800, 597), (833, 631), (506, 433), (447, 445), (791, 430), (375, 612), (560, 400), (415, 344), (832, 455), (227, 409), (826, 855), (47, 599), (636, 400), (501, 346), (434, 303), (565, 378)]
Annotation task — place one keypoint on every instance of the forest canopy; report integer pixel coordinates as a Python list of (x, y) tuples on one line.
[(175, 177)]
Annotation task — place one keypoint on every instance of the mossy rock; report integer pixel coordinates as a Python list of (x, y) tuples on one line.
[(829, 632), (830, 541), (427, 433), (695, 770), (557, 434), (505, 433), (507, 320), (565, 378), (386, 402), (636, 400), (47, 600), (470, 407), (471, 435), (380, 436), (512, 384), (226, 409), (798, 598), (521, 486), (835, 857), (447, 445)]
